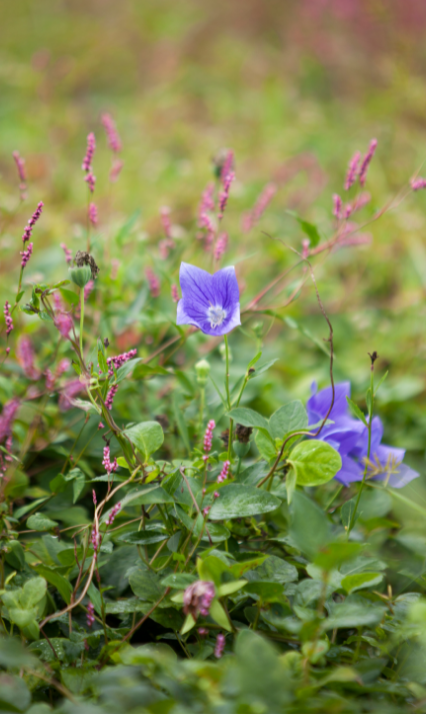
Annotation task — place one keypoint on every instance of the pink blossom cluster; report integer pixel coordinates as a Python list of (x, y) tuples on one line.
[(5, 459), (25, 355), (208, 436), (109, 466), (206, 204), (353, 170), (115, 172), (198, 597), (91, 146), (95, 540), (220, 646), (68, 253), (88, 288), (31, 223), (153, 281), (358, 168), (119, 360), (206, 511), (366, 162), (110, 396), (418, 183), (8, 318), (26, 255), (224, 473), (70, 390), (63, 322), (259, 208), (90, 617), (91, 180), (93, 214), (175, 293), (20, 165), (110, 520), (221, 246), (224, 194), (114, 140), (6, 418), (51, 377)]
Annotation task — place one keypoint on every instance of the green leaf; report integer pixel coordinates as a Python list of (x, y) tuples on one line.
[(180, 421), (274, 570), (230, 588), (178, 581), (351, 614), (264, 367), (126, 369), (146, 584), (187, 625), (22, 618), (240, 501), (290, 484), (309, 229), (248, 417), (78, 486), (218, 614), (33, 591), (70, 296), (266, 445), (253, 361), (290, 417), (39, 522), (62, 585), (14, 693), (333, 555), (361, 580), (309, 526), (147, 436), (143, 537), (20, 296), (356, 411), (95, 597), (315, 462), (380, 382)]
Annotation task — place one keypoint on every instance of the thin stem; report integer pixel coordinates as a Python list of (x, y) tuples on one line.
[(367, 462), (81, 320), (228, 396)]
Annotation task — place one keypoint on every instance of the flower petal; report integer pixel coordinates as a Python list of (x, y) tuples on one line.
[(226, 288), (350, 471)]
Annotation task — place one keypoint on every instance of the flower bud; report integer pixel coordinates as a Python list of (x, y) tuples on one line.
[(202, 369), (81, 276)]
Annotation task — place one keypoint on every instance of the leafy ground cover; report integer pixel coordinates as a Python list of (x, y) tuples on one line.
[(212, 488)]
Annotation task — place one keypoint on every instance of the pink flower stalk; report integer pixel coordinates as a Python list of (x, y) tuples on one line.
[(68, 253), (110, 396), (50, 380), (353, 170), (91, 180), (348, 210), (220, 646), (165, 220), (203, 631), (91, 146), (221, 246), (31, 223), (20, 165), (8, 318), (7, 351), (62, 367), (26, 255), (63, 322), (206, 204), (175, 293), (206, 511), (418, 183), (366, 161), (93, 214), (305, 248), (223, 195), (101, 425), (7, 417), (90, 617), (164, 247), (115, 172), (70, 390), (119, 360), (263, 201), (95, 499), (110, 466), (224, 473), (208, 436), (361, 201), (154, 282), (110, 520), (228, 166), (25, 355), (88, 288), (216, 494), (111, 132), (8, 447), (337, 206), (95, 540), (198, 597)]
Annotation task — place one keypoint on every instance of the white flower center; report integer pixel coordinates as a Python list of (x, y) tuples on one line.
[(216, 315)]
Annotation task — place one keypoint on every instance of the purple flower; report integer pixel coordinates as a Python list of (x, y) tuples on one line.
[(349, 437), (198, 597), (210, 302)]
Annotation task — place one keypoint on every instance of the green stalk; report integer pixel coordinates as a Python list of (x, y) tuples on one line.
[(81, 320), (370, 419), (228, 396)]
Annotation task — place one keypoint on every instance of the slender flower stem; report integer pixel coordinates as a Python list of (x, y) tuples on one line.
[(370, 419), (228, 396), (81, 320)]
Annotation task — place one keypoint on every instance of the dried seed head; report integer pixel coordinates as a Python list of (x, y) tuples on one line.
[(84, 258)]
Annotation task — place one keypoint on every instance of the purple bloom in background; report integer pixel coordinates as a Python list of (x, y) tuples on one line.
[(198, 597), (349, 437), (209, 302)]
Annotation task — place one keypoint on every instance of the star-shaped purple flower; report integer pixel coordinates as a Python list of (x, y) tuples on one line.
[(209, 302)]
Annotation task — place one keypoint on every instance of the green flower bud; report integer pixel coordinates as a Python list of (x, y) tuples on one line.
[(202, 369), (81, 276)]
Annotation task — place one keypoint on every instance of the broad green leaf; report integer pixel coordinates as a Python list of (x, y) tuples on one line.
[(290, 417), (230, 588), (266, 445), (187, 625), (269, 592), (309, 526), (309, 229), (70, 296), (361, 580), (264, 368), (333, 555), (95, 598), (78, 486), (14, 693), (351, 614), (218, 614), (20, 617), (315, 462), (33, 591), (146, 584), (147, 436), (274, 570), (290, 484), (178, 581), (248, 417), (143, 537), (40, 522), (62, 585), (240, 501)]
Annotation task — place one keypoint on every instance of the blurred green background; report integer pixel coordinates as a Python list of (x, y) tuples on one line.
[(294, 87)]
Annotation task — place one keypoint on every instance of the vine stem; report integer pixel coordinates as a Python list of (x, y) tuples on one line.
[(228, 396)]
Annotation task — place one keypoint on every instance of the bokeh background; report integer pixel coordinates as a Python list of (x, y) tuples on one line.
[(294, 87)]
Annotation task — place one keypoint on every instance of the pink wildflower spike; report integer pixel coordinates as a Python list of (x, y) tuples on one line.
[(198, 597), (31, 223), (116, 168), (88, 288), (220, 646), (110, 520), (418, 183), (154, 282), (216, 494), (7, 351), (206, 204), (7, 417), (228, 166), (366, 161), (63, 322), (114, 140), (25, 355), (206, 511), (20, 165), (8, 318), (221, 246), (90, 617), (224, 194), (119, 360), (93, 214), (95, 500), (262, 203), (353, 170), (70, 390), (337, 206), (110, 396), (95, 540), (62, 367), (224, 473), (101, 425), (175, 293), (348, 210), (110, 466), (68, 253), (26, 255), (361, 201), (91, 181), (91, 146), (50, 380), (208, 436), (165, 220)]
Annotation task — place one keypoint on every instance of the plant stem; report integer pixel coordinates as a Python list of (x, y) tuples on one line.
[(228, 396), (81, 320), (370, 418)]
